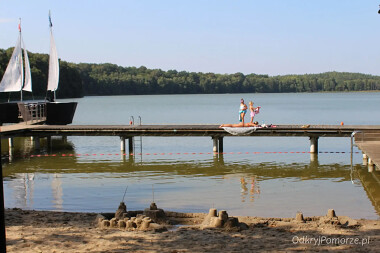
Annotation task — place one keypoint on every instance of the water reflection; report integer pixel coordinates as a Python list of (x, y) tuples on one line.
[(244, 185), (23, 189), (261, 189), (56, 186), (371, 184), (254, 188), (25, 147)]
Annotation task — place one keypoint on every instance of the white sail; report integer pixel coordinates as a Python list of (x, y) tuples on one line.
[(13, 75), (28, 75), (53, 65)]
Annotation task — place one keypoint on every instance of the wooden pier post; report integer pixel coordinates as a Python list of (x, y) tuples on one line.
[(314, 144), (122, 143), (313, 157), (371, 165), (214, 144), (48, 140), (220, 144), (123, 157), (365, 159), (130, 145), (11, 143), (11, 149), (36, 142)]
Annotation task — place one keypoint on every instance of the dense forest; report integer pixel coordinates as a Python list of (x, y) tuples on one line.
[(84, 79)]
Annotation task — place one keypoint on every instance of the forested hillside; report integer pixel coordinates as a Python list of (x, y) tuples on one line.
[(109, 79), (78, 80)]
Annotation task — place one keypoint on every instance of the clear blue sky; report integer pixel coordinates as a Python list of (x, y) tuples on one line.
[(274, 37)]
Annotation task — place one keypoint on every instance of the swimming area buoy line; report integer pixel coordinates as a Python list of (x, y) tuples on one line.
[(188, 153)]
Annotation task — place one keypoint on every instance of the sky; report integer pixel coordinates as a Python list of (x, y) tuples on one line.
[(274, 37)]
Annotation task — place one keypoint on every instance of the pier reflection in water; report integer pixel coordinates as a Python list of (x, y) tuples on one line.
[(248, 185)]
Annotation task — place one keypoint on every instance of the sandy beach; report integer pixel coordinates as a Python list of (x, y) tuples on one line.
[(45, 231)]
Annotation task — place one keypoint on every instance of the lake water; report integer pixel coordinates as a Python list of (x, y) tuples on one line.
[(180, 174)]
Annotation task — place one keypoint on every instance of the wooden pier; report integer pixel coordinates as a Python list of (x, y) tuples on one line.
[(179, 130), (369, 142), (367, 137)]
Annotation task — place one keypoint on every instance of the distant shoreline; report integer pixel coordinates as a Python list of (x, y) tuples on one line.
[(85, 79), (317, 92)]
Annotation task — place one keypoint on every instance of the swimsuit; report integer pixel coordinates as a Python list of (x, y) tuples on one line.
[(242, 110), (255, 111), (252, 113)]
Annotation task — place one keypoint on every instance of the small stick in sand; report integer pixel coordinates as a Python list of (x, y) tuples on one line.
[(125, 193), (153, 192)]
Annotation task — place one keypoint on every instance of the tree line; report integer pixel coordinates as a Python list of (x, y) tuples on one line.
[(85, 79)]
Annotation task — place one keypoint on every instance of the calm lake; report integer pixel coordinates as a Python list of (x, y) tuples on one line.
[(88, 174)]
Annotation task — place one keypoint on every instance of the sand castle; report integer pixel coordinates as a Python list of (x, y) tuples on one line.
[(151, 218), (222, 220), (330, 218), (156, 219)]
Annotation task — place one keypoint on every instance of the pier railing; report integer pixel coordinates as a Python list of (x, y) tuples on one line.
[(32, 112)]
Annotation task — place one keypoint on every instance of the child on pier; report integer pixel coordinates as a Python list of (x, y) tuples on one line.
[(253, 110)]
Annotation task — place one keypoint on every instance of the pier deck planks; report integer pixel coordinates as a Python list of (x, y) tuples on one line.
[(369, 143), (182, 130)]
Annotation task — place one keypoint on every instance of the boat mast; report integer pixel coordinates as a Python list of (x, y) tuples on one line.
[(53, 77), (21, 64), (51, 34)]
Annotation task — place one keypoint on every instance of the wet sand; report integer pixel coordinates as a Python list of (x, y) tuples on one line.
[(44, 231)]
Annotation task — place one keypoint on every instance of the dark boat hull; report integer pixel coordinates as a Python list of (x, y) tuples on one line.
[(9, 113), (58, 113)]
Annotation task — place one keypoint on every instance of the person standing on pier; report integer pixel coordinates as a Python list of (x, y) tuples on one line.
[(242, 111), (253, 110)]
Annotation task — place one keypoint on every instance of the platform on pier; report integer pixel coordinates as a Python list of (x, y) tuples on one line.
[(369, 142)]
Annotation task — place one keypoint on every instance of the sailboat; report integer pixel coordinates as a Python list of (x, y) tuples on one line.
[(57, 113), (53, 78), (17, 78)]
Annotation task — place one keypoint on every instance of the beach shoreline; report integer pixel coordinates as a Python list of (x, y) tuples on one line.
[(52, 231)]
